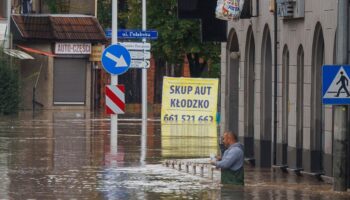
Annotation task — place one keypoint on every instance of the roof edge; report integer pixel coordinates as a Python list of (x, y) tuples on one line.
[(54, 15)]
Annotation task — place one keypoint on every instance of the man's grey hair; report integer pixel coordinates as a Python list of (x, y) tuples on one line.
[(233, 135)]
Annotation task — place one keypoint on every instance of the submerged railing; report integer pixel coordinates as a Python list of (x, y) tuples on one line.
[(195, 167)]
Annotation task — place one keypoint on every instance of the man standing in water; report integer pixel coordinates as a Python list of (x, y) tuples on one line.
[(231, 164), (344, 83)]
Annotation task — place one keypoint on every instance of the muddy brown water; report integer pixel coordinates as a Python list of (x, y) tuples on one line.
[(67, 155)]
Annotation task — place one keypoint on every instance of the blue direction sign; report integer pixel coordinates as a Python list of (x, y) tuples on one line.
[(336, 84), (134, 34), (116, 59)]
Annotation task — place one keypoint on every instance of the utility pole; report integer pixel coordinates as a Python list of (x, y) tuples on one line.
[(340, 143)]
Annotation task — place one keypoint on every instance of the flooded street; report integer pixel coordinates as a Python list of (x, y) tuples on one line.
[(60, 155)]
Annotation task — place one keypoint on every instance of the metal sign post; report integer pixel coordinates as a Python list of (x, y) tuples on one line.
[(8, 31), (144, 91), (340, 127), (144, 71), (114, 80)]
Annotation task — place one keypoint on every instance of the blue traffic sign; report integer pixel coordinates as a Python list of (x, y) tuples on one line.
[(116, 59), (335, 84), (134, 34)]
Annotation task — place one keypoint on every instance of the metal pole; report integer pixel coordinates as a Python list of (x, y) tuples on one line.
[(144, 94), (8, 30), (340, 111), (114, 79), (144, 71), (275, 88)]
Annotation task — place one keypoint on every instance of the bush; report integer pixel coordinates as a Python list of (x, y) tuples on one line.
[(9, 86)]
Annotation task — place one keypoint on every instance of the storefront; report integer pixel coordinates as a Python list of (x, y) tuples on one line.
[(60, 77), (69, 75)]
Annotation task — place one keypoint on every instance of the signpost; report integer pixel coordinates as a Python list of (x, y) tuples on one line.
[(140, 53), (335, 90), (114, 81), (137, 45), (139, 64), (116, 59)]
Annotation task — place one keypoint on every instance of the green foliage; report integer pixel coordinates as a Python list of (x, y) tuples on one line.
[(9, 86), (177, 38), (104, 13), (58, 6), (52, 4)]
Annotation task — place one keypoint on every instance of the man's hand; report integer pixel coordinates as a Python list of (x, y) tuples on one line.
[(218, 158), (212, 162)]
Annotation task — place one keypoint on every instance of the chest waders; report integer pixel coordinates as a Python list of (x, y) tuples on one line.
[(232, 177)]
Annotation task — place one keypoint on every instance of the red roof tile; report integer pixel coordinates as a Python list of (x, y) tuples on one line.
[(59, 27)]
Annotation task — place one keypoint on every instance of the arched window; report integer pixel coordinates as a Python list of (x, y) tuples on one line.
[(317, 109), (285, 102), (249, 94), (266, 100), (300, 105), (232, 84)]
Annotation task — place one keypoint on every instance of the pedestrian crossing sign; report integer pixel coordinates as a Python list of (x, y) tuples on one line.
[(336, 84)]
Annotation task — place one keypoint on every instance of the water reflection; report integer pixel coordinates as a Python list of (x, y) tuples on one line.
[(189, 140), (143, 142), (70, 155)]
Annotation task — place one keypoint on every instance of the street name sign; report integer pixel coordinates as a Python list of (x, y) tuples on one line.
[(335, 84), (134, 34), (116, 59)]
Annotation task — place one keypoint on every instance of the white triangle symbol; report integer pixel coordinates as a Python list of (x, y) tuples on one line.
[(339, 87)]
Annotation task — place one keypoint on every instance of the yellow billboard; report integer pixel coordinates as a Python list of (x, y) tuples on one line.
[(189, 100)]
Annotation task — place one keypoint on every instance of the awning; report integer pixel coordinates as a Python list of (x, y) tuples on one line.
[(18, 54), (31, 50)]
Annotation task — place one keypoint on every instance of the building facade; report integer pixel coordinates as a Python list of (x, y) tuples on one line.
[(305, 41), (60, 76)]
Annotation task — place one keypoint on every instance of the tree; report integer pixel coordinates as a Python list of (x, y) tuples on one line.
[(58, 6), (177, 38), (9, 85)]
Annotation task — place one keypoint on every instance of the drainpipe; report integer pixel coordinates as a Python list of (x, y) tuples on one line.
[(340, 111), (275, 88)]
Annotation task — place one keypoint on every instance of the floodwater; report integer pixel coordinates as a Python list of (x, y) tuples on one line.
[(70, 155)]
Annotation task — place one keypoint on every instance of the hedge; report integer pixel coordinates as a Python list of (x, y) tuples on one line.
[(9, 85)]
